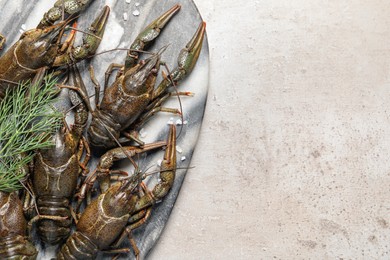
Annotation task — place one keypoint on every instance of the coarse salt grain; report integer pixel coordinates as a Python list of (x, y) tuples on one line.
[(159, 162), (125, 16), (178, 149), (136, 13), (143, 133), (170, 122), (183, 158)]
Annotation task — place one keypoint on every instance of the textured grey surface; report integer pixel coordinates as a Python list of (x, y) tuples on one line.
[(293, 156), (120, 32)]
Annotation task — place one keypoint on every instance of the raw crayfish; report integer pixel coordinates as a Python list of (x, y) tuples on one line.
[(133, 98), (40, 48), (121, 208), (56, 172)]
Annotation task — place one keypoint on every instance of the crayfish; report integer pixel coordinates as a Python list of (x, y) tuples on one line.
[(56, 171), (133, 98), (122, 207), (41, 48)]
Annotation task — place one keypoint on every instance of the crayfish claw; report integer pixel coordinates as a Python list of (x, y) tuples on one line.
[(186, 61), (96, 31), (189, 55), (167, 175), (168, 167), (91, 41), (169, 161), (161, 21), (148, 35), (61, 8)]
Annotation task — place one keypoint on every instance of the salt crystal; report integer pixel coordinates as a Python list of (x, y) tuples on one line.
[(159, 162), (23, 27), (136, 13), (143, 133), (179, 122), (128, 1), (137, 4), (183, 158), (125, 16), (178, 149), (170, 122)]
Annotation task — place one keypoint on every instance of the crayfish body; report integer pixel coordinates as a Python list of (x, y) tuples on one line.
[(123, 102), (56, 172)]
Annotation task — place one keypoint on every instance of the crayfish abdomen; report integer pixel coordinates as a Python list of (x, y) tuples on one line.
[(54, 231), (78, 246)]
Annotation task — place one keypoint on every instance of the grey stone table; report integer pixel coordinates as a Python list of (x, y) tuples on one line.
[(127, 18), (292, 160)]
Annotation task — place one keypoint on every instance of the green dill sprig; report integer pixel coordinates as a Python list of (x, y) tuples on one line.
[(27, 120)]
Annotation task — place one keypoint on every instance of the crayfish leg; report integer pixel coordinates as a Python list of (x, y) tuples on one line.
[(127, 232), (186, 62)]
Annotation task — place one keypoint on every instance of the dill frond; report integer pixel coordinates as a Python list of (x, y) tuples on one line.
[(27, 120)]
